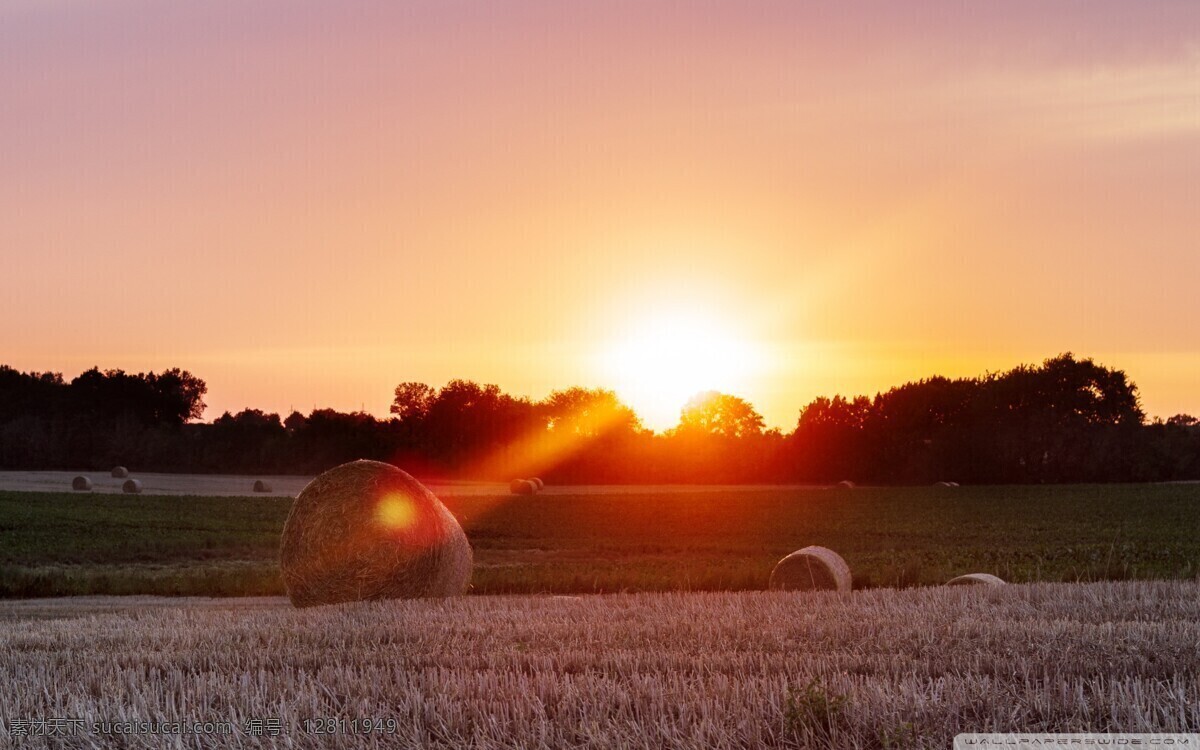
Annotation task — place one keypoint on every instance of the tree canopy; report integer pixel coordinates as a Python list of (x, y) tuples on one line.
[(1066, 420)]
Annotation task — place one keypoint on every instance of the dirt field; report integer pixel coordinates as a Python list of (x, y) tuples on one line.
[(875, 669), (228, 485)]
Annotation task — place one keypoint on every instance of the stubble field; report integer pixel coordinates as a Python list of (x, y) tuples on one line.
[(870, 669), (702, 658)]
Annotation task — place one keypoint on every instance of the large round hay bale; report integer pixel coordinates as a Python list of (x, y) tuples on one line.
[(976, 579), (367, 530), (119, 472), (522, 487), (81, 484), (812, 569), (846, 484), (132, 486), (261, 486), (538, 484)]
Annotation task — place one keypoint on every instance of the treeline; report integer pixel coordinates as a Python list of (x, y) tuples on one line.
[(1067, 420)]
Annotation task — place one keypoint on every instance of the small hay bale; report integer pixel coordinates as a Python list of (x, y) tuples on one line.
[(976, 579), (132, 486), (846, 484), (811, 569), (81, 484), (119, 472), (952, 484), (942, 484), (366, 530), (522, 487), (538, 484), (261, 486)]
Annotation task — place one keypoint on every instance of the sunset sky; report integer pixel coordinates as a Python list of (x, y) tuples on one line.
[(306, 203)]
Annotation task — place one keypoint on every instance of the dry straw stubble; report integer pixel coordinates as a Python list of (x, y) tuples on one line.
[(714, 670)]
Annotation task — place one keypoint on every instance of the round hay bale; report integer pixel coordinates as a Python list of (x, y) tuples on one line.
[(522, 487), (132, 486), (81, 484), (538, 484), (811, 569), (846, 484), (942, 484), (261, 486), (976, 579), (952, 484), (367, 530), (119, 472)]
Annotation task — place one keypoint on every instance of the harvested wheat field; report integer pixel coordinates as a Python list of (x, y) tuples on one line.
[(872, 669)]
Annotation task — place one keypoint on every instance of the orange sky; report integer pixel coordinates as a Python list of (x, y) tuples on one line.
[(305, 203)]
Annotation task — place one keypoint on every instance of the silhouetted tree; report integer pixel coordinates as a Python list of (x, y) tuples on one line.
[(588, 412), (1065, 420), (177, 396), (715, 413), (28, 394), (830, 440), (412, 401)]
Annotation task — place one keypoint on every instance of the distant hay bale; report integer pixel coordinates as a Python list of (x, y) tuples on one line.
[(811, 569), (120, 472), (367, 530), (132, 486), (81, 484), (846, 484), (522, 487), (261, 486), (942, 484), (952, 484), (976, 579), (538, 484)]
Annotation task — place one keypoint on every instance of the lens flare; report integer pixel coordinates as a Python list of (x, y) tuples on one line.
[(395, 511)]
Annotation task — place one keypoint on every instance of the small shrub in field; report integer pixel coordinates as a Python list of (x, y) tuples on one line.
[(814, 713), (900, 737)]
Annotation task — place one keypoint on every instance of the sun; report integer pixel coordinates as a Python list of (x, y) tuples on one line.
[(667, 357)]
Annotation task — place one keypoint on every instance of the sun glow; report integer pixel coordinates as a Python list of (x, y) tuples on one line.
[(667, 358)]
